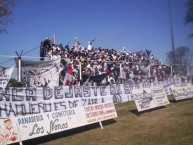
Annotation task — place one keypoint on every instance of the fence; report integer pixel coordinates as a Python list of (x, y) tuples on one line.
[(135, 72)]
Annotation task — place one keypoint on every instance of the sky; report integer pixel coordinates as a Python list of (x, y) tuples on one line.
[(134, 24)]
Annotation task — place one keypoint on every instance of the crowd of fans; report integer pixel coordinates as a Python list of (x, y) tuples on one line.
[(139, 66)]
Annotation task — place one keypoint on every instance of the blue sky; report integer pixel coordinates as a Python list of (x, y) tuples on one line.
[(135, 24)]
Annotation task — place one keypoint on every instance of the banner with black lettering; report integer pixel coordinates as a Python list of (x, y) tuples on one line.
[(149, 98), (182, 92), (5, 75), (40, 73), (143, 99), (23, 101), (160, 96), (32, 126)]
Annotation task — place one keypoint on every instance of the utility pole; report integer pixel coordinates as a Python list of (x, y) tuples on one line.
[(171, 30)]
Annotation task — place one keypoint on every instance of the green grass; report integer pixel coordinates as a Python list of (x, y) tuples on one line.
[(170, 125)]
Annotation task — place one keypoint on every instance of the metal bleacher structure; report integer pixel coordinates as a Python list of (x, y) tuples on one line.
[(135, 67)]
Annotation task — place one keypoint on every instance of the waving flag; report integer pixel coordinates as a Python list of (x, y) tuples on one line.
[(5, 75), (40, 73)]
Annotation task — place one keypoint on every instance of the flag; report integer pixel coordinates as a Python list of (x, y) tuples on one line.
[(5, 75), (40, 73)]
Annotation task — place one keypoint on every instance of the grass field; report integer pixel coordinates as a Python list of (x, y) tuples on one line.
[(170, 125)]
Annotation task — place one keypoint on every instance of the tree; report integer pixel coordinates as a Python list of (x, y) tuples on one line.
[(189, 13), (5, 14), (183, 60)]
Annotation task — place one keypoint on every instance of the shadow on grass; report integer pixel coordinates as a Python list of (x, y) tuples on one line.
[(66, 133), (134, 111), (183, 100), (173, 101)]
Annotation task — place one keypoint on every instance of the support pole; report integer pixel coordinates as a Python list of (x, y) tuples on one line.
[(19, 69), (20, 141), (120, 67), (19, 66), (80, 71), (171, 71), (149, 74), (101, 125), (188, 71)]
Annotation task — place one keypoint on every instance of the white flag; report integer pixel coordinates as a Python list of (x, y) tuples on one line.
[(5, 75), (40, 73)]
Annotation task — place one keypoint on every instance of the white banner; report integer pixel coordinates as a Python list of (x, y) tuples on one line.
[(24, 101), (33, 126), (166, 85), (143, 99), (40, 73), (182, 92), (5, 75), (8, 131), (159, 96), (146, 99)]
